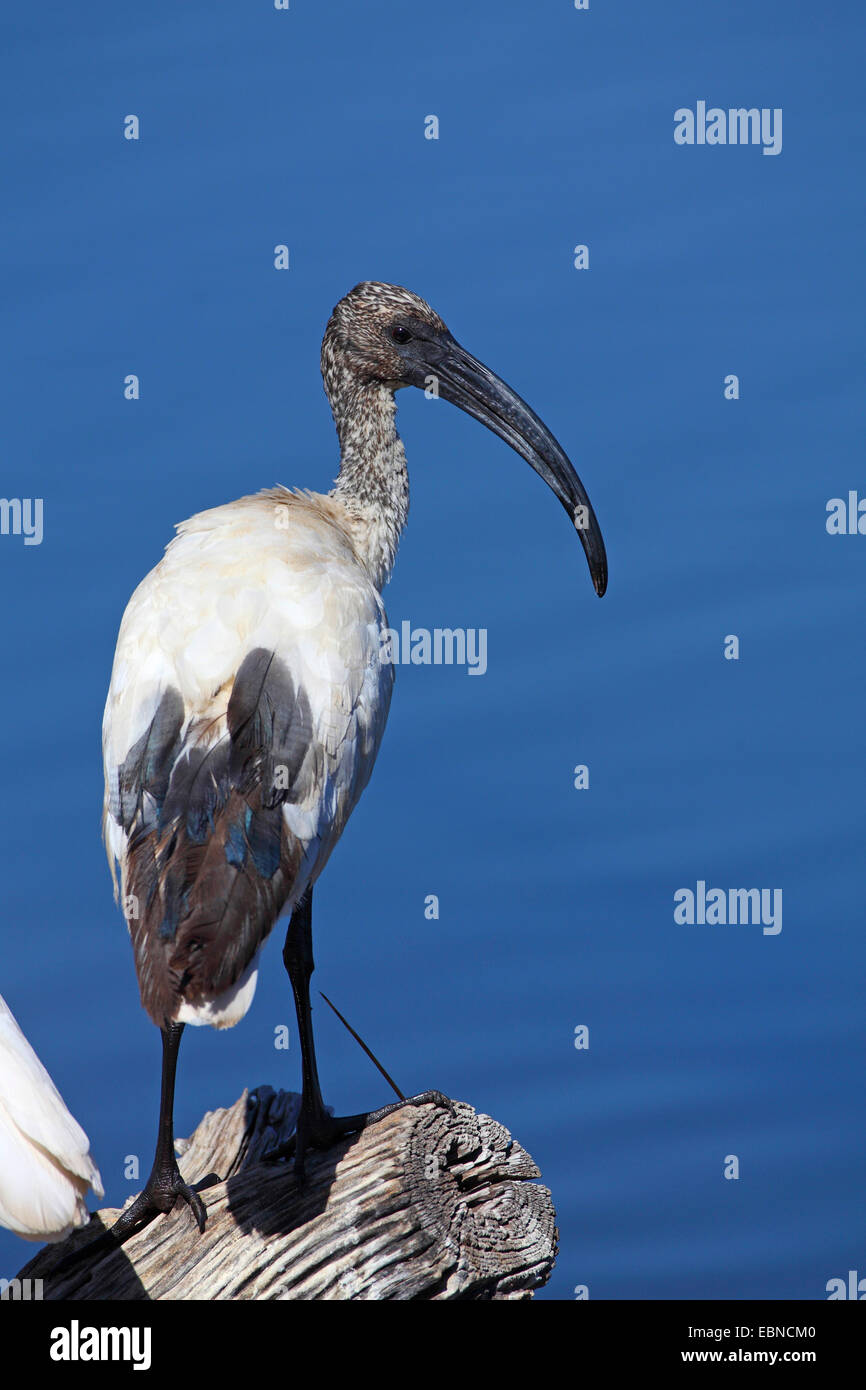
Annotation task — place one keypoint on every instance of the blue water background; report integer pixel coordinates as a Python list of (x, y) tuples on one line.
[(556, 905)]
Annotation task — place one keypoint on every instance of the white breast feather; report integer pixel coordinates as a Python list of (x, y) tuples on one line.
[(234, 579)]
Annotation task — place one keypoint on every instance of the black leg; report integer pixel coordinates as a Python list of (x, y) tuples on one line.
[(299, 963), (316, 1128), (165, 1183)]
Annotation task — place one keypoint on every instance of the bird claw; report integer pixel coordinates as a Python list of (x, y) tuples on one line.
[(158, 1197), (321, 1130), (146, 1208), (437, 1098), (211, 1180)]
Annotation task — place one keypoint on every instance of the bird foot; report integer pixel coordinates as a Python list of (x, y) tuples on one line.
[(318, 1129), (157, 1198), (160, 1195)]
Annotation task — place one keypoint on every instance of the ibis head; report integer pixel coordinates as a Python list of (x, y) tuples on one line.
[(386, 336)]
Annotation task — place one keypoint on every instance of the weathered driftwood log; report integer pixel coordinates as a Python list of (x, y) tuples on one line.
[(425, 1205)]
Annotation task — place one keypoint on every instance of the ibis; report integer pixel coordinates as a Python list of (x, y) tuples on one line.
[(45, 1163), (249, 695)]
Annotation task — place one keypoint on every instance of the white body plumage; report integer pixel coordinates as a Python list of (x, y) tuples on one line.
[(45, 1163), (276, 572)]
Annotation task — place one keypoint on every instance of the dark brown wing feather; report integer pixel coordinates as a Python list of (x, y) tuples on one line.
[(210, 862)]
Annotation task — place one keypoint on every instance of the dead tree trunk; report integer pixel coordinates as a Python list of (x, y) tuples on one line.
[(424, 1205)]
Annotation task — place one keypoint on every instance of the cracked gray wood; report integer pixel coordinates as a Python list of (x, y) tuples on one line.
[(422, 1205)]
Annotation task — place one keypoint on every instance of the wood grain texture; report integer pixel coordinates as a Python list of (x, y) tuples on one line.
[(425, 1204)]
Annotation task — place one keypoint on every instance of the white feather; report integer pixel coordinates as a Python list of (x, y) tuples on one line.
[(45, 1163), (273, 571)]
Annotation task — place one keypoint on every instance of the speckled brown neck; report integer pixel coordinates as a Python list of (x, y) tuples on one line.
[(373, 484)]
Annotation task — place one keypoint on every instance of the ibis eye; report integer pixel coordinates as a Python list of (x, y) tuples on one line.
[(400, 334)]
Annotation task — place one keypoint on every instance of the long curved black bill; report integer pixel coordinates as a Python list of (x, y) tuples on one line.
[(467, 383)]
